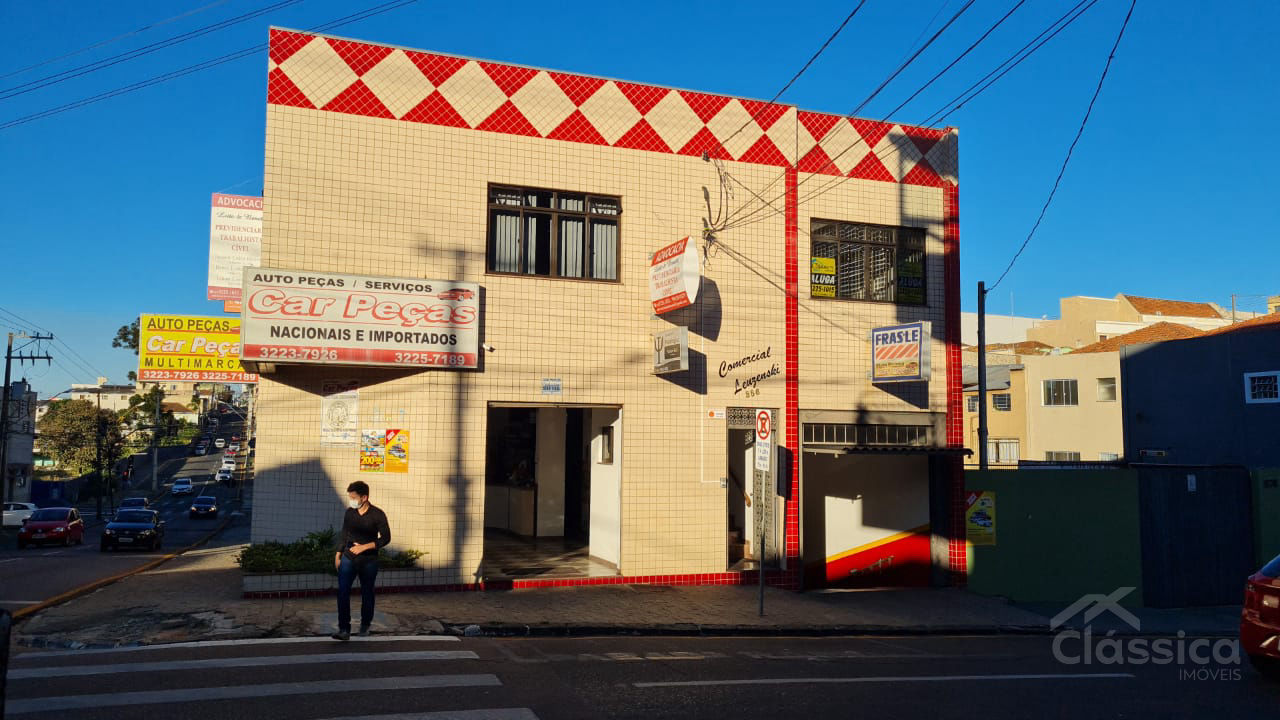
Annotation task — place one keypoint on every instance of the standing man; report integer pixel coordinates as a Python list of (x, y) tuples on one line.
[(364, 533)]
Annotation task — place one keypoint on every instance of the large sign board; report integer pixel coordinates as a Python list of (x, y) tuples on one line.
[(235, 243), (293, 316), (671, 351), (674, 276), (900, 353), (191, 349)]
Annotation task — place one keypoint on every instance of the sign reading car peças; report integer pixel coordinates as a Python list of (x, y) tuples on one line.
[(291, 316)]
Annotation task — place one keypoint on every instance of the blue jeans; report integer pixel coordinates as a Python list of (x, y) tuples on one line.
[(348, 570)]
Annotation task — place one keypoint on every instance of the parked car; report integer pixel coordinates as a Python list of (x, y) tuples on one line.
[(16, 512), (219, 443), (181, 486), (140, 503), (52, 525), (204, 506), (1260, 619), (133, 528)]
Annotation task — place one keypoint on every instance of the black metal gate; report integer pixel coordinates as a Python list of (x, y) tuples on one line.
[(1197, 535)]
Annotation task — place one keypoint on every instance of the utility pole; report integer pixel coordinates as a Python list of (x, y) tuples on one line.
[(155, 450), (1233, 308), (97, 455), (982, 376), (9, 357)]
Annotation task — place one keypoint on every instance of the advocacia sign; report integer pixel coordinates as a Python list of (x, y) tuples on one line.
[(307, 317), (674, 276), (190, 348)]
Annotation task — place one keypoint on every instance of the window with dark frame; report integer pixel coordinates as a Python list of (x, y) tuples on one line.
[(1002, 402), (1061, 392), (972, 403), (553, 233), (858, 261)]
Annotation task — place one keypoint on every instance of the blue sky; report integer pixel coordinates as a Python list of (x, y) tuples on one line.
[(107, 206)]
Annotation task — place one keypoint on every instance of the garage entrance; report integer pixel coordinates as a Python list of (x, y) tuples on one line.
[(552, 492)]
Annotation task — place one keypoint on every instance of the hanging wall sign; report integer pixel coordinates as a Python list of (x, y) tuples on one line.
[(900, 353), (671, 351), (674, 276)]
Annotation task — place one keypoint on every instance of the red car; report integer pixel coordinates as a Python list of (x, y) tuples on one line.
[(456, 294), (52, 525), (1260, 619)]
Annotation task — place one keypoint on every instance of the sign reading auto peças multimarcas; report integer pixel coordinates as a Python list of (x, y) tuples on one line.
[(307, 317)]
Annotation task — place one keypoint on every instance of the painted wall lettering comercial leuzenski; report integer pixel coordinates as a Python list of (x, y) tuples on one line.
[(306, 317), (900, 353)]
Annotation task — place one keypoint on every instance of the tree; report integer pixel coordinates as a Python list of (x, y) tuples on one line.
[(70, 434), (127, 337), (142, 411)]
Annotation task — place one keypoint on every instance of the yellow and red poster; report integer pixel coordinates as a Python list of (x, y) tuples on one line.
[(384, 451), (980, 517), (397, 451)]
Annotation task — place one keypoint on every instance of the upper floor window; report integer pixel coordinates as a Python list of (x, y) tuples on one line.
[(1262, 387), (1061, 392), (972, 402), (1107, 389), (856, 261), (553, 233), (1002, 402)]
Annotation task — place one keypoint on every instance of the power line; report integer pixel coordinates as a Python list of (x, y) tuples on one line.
[(355, 17), (913, 57), (758, 214), (802, 70), (117, 38), (82, 70), (1083, 122)]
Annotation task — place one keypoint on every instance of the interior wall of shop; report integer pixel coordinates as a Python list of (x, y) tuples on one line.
[(1266, 514), (606, 487), (853, 500), (1060, 534), (549, 471), (352, 194)]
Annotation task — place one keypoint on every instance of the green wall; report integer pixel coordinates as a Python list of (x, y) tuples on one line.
[(1266, 513), (1060, 534)]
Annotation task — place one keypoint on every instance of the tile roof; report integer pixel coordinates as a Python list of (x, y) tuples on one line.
[(1159, 332), (1173, 308), (1026, 347), (1262, 322)]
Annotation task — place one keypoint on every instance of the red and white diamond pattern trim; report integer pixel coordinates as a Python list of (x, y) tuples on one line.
[(356, 78)]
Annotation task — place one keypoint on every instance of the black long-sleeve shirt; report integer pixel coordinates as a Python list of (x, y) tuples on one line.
[(371, 527)]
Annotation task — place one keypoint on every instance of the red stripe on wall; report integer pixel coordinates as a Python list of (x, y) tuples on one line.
[(792, 523), (955, 396)]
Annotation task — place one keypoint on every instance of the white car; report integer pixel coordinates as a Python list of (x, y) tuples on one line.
[(220, 443), (16, 512), (224, 476), (181, 486)]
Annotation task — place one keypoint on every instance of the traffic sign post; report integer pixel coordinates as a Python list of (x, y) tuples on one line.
[(764, 499)]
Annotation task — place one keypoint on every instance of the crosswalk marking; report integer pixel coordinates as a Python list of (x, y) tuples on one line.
[(18, 706), (230, 643), (235, 662)]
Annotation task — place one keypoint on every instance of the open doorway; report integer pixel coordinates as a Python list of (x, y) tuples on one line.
[(746, 517), (552, 492)]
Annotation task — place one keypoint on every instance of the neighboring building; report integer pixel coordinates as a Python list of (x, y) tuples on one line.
[(1208, 400), (181, 411), (21, 432), (102, 393), (1001, 329), (563, 459), (1273, 304), (179, 392), (1004, 353), (1007, 402), (1074, 407), (1087, 320)]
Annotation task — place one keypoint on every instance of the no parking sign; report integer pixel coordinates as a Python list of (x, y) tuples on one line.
[(764, 440)]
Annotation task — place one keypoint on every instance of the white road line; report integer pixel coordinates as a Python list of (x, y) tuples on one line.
[(20, 602), (236, 692), (888, 679), (487, 714), (235, 662), (9, 560), (232, 643)]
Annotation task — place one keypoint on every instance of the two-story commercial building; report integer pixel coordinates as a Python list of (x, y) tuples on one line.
[(501, 239)]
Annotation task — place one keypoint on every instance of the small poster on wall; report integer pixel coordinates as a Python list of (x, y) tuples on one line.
[(373, 455), (339, 410), (980, 517), (397, 457)]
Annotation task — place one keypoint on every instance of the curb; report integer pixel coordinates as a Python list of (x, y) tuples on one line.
[(699, 630), (23, 613)]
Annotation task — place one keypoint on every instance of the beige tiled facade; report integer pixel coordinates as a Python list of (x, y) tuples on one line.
[(381, 196)]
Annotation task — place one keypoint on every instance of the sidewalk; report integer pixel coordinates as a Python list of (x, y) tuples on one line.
[(198, 597)]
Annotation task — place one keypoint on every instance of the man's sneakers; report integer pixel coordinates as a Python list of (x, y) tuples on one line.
[(341, 635), (364, 631)]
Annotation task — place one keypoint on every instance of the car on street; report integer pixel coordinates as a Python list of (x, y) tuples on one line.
[(204, 506), (1260, 619), (181, 486), (133, 528), (16, 512), (62, 526), (202, 450), (219, 443), (135, 502), (224, 476)]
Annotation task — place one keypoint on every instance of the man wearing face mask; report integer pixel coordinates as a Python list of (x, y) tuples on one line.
[(364, 532)]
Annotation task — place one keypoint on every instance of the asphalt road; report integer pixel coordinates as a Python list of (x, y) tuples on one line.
[(37, 573), (519, 679)]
